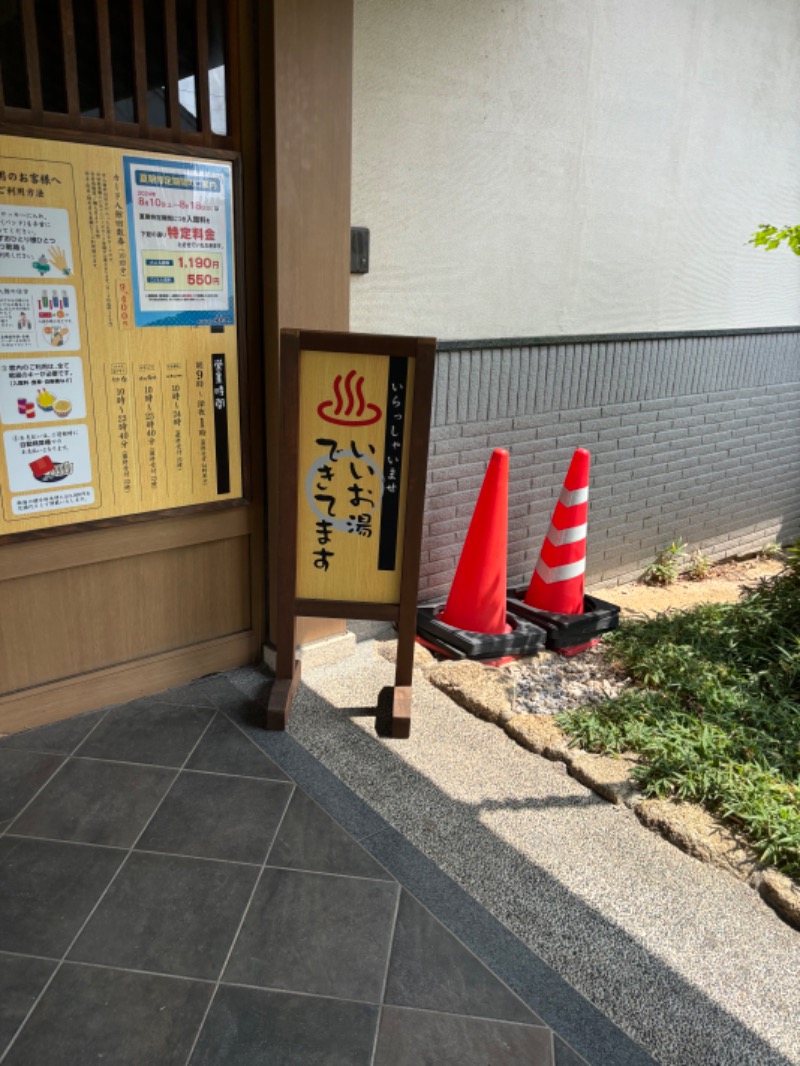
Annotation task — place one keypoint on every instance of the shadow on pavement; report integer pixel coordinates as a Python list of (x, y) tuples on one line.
[(677, 1022)]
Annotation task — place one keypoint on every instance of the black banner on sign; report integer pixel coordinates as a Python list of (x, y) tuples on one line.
[(392, 462), (221, 424)]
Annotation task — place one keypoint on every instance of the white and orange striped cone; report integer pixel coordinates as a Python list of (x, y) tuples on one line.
[(557, 582)]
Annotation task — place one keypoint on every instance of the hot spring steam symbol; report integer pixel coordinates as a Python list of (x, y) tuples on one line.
[(365, 414)]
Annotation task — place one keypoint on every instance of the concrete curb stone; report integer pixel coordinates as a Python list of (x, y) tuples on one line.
[(484, 692), (782, 894), (698, 833), (607, 776), (540, 734), (387, 649)]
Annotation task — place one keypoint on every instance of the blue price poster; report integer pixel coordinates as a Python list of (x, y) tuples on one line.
[(179, 219)]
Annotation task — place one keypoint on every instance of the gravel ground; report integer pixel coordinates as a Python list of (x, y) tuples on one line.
[(552, 684)]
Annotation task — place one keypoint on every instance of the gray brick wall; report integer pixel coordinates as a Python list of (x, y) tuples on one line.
[(692, 436)]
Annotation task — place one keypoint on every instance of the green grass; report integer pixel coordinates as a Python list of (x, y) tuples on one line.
[(715, 713)]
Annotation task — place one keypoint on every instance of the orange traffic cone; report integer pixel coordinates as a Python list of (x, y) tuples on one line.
[(557, 582), (477, 599)]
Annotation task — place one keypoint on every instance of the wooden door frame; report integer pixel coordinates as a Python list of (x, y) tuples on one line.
[(89, 543), (306, 89), (290, 85)]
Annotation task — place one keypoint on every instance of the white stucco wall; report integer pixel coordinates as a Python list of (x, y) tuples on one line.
[(536, 167)]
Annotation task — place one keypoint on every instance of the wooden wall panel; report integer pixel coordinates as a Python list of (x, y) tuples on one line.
[(307, 142), (107, 75), (118, 542), (84, 618), (118, 684), (314, 92)]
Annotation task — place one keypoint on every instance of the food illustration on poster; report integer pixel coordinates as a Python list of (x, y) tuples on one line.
[(37, 318), (46, 456), (43, 390), (119, 384)]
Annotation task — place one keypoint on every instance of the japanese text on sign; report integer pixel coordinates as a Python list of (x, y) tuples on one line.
[(100, 418), (353, 435)]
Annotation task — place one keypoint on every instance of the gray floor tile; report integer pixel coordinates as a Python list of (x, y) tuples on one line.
[(189, 695), (249, 1027), (556, 1002), (60, 738), (169, 915), (247, 699), (21, 981), (218, 817), (225, 749), (309, 930), (254, 681), (359, 820), (422, 1038), (22, 774), (148, 732), (47, 890), (96, 1015), (565, 1055), (316, 933), (96, 802), (430, 969), (309, 839)]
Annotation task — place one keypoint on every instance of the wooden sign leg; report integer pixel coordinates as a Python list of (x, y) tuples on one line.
[(280, 699), (287, 678), (401, 712), (400, 727)]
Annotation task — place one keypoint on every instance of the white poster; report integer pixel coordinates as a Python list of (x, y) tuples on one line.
[(35, 243), (41, 390), (47, 457), (37, 502), (38, 318)]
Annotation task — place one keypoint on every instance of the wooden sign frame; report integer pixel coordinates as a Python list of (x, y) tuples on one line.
[(394, 704)]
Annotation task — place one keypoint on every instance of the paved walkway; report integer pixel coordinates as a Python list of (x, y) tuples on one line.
[(176, 887), (614, 929), (169, 895)]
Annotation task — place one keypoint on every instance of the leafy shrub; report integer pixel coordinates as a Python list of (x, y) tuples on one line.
[(667, 564), (716, 711), (770, 237), (699, 566), (771, 550)]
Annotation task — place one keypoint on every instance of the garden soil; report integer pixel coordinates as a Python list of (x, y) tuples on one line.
[(725, 583)]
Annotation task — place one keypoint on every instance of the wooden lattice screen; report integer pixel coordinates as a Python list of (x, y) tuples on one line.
[(160, 70)]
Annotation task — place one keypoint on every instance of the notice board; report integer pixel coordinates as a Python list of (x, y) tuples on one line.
[(119, 377), (355, 412)]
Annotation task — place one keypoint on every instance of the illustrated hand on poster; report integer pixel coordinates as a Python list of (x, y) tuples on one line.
[(58, 257)]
